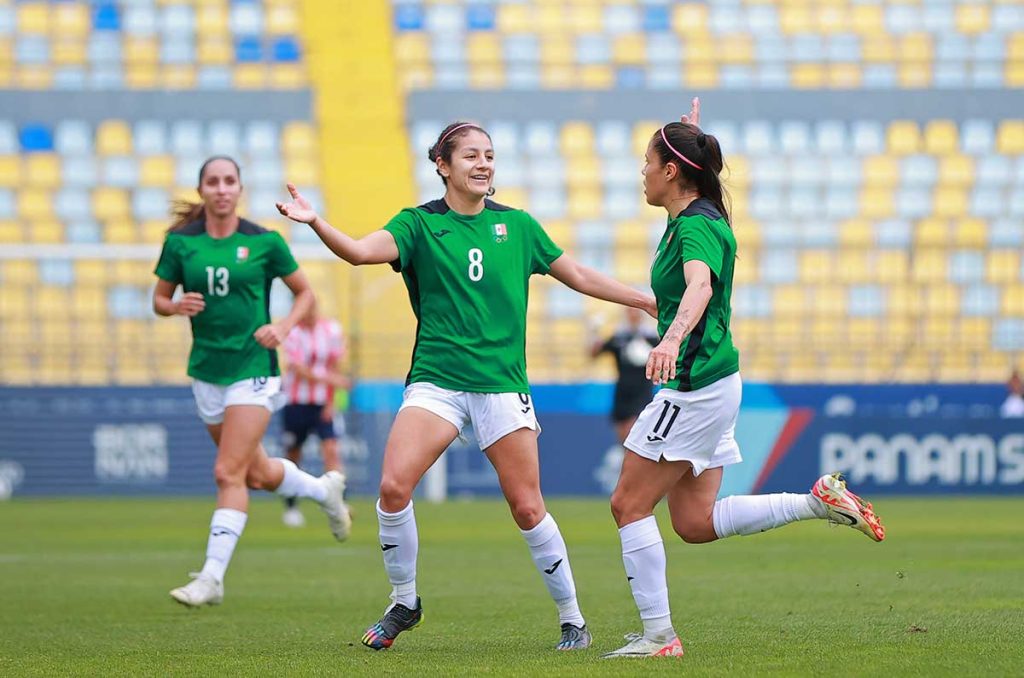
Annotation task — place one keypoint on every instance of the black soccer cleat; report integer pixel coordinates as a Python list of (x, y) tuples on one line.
[(574, 637), (398, 618)]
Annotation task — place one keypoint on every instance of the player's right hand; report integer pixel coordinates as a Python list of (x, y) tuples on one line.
[(299, 209), (693, 117), (190, 304)]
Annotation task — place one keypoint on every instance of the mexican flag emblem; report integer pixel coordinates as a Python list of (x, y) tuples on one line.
[(241, 254), (500, 233)]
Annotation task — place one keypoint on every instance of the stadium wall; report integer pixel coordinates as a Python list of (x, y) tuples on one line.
[(924, 439)]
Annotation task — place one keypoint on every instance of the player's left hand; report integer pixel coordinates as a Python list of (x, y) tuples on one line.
[(693, 117), (269, 336), (327, 413), (661, 364)]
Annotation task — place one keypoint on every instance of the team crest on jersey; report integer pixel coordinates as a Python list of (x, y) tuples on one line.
[(500, 233), (241, 254)]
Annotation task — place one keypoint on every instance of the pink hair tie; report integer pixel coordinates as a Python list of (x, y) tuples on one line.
[(453, 129), (680, 155)]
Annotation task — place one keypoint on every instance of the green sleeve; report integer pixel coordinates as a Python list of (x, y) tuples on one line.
[(543, 250), (404, 227), (700, 244), (280, 262), (169, 265)]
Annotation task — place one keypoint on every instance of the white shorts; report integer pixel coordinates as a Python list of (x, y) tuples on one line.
[(695, 426), (213, 399), (493, 415)]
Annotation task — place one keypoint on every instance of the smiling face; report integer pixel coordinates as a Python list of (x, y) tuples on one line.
[(658, 177), (220, 188), (471, 170)]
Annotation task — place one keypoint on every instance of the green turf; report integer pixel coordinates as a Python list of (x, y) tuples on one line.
[(83, 590)]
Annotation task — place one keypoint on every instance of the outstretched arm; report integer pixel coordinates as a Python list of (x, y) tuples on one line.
[(661, 365), (376, 248), (592, 283)]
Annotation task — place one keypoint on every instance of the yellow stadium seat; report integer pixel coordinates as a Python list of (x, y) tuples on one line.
[(854, 266), (1010, 138), (845, 76), (585, 203), (904, 137), (561, 232), (584, 172), (110, 204), (950, 202), (830, 300), (832, 19), (301, 171), (577, 138), (630, 49), (808, 76), (10, 170), (157, 170), (548, 18), (596, 77), (795, 19), (642, 133), (856, 233), (132, 272), (178, 77), (585, 18), (211, 19), (153, 231), (70, 20), (412, 48), (33, 17), (10, 232), (50, 302), (701, 75), (250, 76), (1013, 300), (88, 302), (114, 137), (67, 52), (994, 366), (90, 272), (282, 20), (1002, 266), (864, 332), (215, 51), (817, 266), (932, 232), (35, 204), (416, 77), (904, 302), (487, 76), (878, 48), (736, 48), (632, 267), (14, 305), (972, 19), (942, 300), (141, 50), (1014, 76), (956, 170), (789, 300), (556, 76), (514, 19), (556, 50), (513, 197), (119, 233), (877, 202), (299, 139), (689, 18), (940, 137), (881, 170), (142, 76), (970, 232), (46, 231), (485, 48), (915, 74), (824, 331), (930, 267), (974, 333), (42, 170), (34, 77), (699, 50), (287, 76), (892, 266)]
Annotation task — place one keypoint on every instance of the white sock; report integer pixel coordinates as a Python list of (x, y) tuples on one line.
[(225, 529), (400, 544), (552, 560), (750, 514), (298, 483), (643, 555)]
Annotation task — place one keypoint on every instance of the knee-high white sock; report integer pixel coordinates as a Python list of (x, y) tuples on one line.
[(643, 554), (552, 560), (750, 514), (400, 543), (298, 483), (225, 529)]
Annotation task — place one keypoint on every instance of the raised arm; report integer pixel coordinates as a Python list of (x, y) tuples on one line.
[(661, 365), (592, 283), (376, 248)]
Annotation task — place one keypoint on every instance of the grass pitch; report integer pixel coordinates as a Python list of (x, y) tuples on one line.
[(83, 590)]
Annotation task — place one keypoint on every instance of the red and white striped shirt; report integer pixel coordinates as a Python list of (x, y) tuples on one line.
[(319, 348)]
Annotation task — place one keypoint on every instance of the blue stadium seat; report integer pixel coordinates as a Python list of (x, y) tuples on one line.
[(70, 78), (620, 19), (656, 19), (73, 204), (83, 232), (778, 265), (979, 300), (32, 50), (445, 20), (894, 233), (105, 17), (8, 23), (140, 21), (248, 50), (73, 137), (409, 17), (593, 48), (480, 17), (966, 266), (664, 77), (214, 77), (866, 301), (57, 272), (752, 301), (36, 138), (8, 207), (286, 50), (630, 77), (1008, 334)]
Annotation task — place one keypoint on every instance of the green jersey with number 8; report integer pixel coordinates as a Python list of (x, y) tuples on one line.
[(234, 275), (469, 279)]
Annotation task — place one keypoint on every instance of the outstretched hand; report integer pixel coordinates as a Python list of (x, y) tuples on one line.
[(693, 117), (299, 209)]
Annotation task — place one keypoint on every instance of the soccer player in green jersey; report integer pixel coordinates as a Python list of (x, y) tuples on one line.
[(225, 265), (466, 262), (684, 437)]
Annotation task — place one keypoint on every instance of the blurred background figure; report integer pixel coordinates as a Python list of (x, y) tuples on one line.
[(314, 348), (630, 345), (1013, 406)]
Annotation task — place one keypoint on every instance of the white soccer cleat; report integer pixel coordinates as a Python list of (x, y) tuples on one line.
[(338, 517), (638, 646), (202, 590), (843, 507), (293, 518)]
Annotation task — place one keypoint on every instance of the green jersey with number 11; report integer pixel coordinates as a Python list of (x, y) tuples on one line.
[(233, 274), (469, 279)]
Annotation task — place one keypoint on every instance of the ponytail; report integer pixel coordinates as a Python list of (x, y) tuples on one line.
[(701, 164), (184, 212)]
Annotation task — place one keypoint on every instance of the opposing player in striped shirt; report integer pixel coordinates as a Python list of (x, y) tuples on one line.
[(314, 349)]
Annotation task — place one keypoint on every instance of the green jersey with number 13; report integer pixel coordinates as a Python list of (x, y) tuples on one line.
[(469, 279), (234, 275)]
